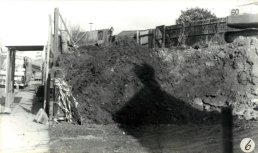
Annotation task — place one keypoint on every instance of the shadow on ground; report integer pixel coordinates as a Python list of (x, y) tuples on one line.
[(146, 114), (37, 101), (17, 100)]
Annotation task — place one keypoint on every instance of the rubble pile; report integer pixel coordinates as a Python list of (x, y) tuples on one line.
[(130, 84)]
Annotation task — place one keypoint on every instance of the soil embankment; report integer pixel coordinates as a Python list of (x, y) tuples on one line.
[(130, 84)]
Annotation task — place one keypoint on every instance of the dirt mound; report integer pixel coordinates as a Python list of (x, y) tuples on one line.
[(127, 83), (217, 76), (103, 79)]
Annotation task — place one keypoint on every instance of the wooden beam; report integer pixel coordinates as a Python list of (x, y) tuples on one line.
[(80, 38), (66, 29), (145, 35)]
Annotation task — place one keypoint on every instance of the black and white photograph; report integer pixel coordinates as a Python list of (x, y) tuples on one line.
[(128, 76)]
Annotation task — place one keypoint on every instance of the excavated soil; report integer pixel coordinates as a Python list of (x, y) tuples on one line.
[(217, 76), (129, 84)]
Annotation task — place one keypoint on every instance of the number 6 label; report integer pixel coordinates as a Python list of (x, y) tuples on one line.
[(247, 145)]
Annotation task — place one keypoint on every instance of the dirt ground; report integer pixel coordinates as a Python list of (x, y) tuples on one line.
[(190, 138), (24, 135), (18, 131)]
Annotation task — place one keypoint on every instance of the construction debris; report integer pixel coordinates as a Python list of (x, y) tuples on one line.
[(41, 117), (66, 102)]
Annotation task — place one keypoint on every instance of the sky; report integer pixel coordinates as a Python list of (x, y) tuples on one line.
[(26, 22)]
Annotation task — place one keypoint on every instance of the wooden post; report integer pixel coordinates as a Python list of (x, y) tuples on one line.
[(227, 132), (150, 38), (42, 67), (12, 75), (56, 37), (47, 62), (163, 37), (137, 37), (154, 39), (154, 43), (55, 96), (56, 53), (51, 96), (48, 96)]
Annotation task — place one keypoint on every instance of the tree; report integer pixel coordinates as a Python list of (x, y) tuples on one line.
[(194, 14)]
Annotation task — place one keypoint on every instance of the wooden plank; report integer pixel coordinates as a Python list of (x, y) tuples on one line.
[(144, 35)]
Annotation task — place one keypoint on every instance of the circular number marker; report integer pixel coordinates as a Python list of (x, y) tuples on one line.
[(247, 145), (233, 12)]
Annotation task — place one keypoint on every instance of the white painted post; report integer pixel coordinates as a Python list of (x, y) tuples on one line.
[(10, 79)]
